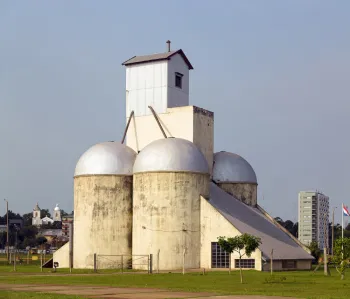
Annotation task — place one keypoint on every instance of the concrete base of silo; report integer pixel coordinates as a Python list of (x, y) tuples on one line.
[(102, 220), (245, 192), (166, 218)]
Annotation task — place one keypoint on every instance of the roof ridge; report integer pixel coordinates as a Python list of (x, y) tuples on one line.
[(157, 57), (158, 53)]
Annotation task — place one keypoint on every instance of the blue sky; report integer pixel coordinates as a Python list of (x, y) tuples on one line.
[(275, 73)]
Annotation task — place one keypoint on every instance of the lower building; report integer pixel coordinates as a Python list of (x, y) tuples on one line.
[(224, 215)]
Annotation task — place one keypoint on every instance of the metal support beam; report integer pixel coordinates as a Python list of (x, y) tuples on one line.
[(157, 120), (127, 126)]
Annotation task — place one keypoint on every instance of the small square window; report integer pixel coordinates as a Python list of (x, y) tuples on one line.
[(178, 80)]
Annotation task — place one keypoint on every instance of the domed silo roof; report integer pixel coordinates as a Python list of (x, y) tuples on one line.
[(171, 155), (232, 168), (105, 159)]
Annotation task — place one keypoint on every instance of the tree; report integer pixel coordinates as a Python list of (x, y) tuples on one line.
[(41, 240), (27, 219), (315, 250), (279, 220), (45, 212), (2, 239), (13, 215), (57, 225), (244, 245), (341, 255), (295, 228), (27, 236), (63, 213), (288, 225)]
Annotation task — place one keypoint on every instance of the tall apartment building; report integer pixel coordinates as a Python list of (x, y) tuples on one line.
[(313, 212)]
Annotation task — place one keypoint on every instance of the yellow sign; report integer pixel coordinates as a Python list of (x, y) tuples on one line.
[(34, 258)]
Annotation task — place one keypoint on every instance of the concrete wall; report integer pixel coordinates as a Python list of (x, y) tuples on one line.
[(203, 133), (214, 225), (304, 265), (166, 217), (102, 218), (277, 266), (190, 123), (62, 256), (246, 193)]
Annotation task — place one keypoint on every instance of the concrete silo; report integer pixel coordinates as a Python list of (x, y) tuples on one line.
[(169, 177), (103, 204), (236, 176)]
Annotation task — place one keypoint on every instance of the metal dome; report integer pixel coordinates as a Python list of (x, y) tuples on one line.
[(57, 208), (106, 158), (232, 168), (171, 155)]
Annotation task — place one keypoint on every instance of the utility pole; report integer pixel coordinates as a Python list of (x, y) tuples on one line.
[(14, 262), (333, 231), (7, 231), (271, 262)]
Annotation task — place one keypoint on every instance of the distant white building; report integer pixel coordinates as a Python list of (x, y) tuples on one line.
[(37, 220), (313, 218), (57, 213)]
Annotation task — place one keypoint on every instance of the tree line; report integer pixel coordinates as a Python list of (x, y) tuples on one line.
[(293, 228)]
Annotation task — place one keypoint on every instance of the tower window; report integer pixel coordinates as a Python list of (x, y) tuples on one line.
[(178, 80)]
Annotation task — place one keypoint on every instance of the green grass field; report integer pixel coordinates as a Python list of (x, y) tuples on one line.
[(27, 295), (297, 284), (24, 259), (36, 270)]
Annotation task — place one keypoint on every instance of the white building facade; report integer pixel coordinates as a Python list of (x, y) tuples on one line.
[(313, 217), (38, 221)]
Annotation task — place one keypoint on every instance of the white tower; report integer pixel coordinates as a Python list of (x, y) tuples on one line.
[(57, 213), (161, 81), (36, 220)]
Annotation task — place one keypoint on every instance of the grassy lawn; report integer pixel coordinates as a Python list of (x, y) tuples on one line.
[(35, 269), (297, 284), (25, 295)]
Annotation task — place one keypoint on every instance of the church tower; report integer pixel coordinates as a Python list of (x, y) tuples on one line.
[(36, 220), (57, 213), (157, 101)]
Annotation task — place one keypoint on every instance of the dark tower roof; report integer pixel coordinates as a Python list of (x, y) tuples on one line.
[(157, 57)]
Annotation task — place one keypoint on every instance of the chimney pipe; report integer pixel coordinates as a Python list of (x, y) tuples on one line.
[(168, 42)]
